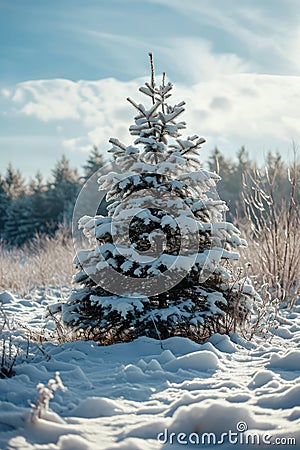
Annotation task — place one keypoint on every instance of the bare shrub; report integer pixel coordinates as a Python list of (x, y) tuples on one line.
[(10, 347), (44, 261), (272, 228), (264, 316)]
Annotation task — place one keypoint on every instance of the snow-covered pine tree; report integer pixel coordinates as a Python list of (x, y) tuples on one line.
[(160, 263)]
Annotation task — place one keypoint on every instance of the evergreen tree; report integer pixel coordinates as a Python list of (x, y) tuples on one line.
[(231, 172), (228, 185), (4, 202), (62, 193), (14, 196), (160, 263), (27, 215), (94, 163), (38, 206), (14, 183), (37, 185), (244, 162), (17, 227), (277, 170)]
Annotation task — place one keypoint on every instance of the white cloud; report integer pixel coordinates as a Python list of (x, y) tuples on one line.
[(248, 105), (46, 99), (260, 111), (5, 93)]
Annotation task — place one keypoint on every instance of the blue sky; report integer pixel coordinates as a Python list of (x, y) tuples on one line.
[(67, 67)]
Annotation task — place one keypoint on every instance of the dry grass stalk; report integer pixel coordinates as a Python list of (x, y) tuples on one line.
[(272, 228), (45, 261)]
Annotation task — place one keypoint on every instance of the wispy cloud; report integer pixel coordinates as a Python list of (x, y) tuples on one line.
[(194, 60), (100, 39), (256, 31)]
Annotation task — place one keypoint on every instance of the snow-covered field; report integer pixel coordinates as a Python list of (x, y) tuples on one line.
[(123, 396)]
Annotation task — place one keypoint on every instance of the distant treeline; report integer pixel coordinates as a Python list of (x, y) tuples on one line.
[(43, 206)]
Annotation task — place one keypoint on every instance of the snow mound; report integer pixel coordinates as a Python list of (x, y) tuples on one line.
[(222, 343), (285, 400), (284, 333), (260, 378), (201, 361), (97, 407), (166, 356), (45, 432), (290, 361), (6, 298), (134, 374), (71, 442), (216, 416)]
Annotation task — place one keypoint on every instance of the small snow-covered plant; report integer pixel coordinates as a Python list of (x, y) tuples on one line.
[(45, 394), (160, 263)]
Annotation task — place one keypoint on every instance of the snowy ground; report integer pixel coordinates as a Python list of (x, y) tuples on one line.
[(123, 396)]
